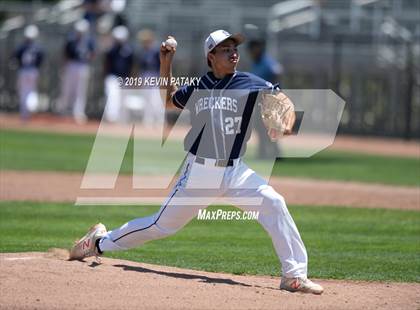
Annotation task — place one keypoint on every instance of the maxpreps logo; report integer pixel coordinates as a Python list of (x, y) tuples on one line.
[(219, 214), (321, 110)]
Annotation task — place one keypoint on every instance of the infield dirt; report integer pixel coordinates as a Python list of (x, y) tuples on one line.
[(65, 187), (48, 281)]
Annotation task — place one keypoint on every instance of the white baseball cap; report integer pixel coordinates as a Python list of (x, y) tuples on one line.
[(117, 6), (31, 32), (120, 33), (81, 26), (217, 37)]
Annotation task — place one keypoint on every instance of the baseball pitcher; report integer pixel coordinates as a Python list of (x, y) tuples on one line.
[(220, 106)]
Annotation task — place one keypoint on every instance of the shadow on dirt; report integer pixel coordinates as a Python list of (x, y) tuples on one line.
[(186, 276)]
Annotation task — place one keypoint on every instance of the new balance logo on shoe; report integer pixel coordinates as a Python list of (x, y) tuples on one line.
[(86, 246)]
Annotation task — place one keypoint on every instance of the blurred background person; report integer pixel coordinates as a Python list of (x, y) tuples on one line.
[(149, 66), (116, 9), (266, 67), (118, 64), (93, 9), (29, 56), (78, 54), (112, 15)]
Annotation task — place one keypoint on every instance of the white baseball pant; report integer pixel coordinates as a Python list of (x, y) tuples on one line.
[(74, 89), (27, 88), (237, 182), (115, 109), (154, 111)]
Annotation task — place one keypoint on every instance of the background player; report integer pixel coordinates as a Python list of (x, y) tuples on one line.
[(29, 56), (148, 63), (267, 68), (118, 63), (78, 53), (214, 151)]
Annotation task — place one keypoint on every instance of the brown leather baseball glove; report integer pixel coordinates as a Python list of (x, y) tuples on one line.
[(278, 115)]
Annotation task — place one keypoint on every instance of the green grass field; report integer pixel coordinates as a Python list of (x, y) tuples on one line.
[(343, 243), (20, 150)]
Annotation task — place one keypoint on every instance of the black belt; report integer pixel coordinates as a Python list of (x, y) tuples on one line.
[(217, 163)]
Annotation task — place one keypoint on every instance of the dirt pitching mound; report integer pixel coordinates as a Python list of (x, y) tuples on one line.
[(49, 281)]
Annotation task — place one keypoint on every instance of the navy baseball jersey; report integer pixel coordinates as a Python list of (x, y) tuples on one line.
[(221, 113), (29, 55), (149, 62), (119, 60), (79, 49)]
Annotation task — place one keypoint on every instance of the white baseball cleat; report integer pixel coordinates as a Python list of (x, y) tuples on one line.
[(300, 284), (86, 246)]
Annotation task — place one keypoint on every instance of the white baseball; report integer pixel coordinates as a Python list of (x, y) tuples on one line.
[(171, 42)]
